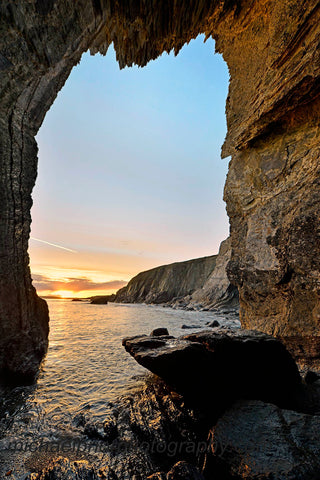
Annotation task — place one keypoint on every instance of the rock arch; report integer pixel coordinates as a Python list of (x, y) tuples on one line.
[(272, 190)]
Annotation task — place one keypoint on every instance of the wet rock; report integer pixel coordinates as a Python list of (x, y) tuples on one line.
[(214, 368), (184, 471), (214, 324), (158, 332), (106, 430), (154, 430), (80, 420), (64, 469), (258, 441)]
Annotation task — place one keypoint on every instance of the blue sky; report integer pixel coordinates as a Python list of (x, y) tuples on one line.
[(130, 174)]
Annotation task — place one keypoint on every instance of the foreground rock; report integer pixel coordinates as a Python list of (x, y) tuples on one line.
[(154, 435), (151, 431), (258, 441), (214, 368)]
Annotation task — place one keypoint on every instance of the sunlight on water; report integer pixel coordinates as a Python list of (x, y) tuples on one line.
[(86, 367)]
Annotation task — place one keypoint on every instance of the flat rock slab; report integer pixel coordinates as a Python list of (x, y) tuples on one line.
[(258, 441), (215, 368)]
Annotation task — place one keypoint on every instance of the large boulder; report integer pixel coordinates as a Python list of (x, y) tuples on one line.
[(214, 368), (259, 441)]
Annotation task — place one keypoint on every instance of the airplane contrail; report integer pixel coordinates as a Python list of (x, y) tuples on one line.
[(54, 245)]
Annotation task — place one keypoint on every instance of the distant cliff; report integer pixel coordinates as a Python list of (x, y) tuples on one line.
[(195, 284), (163, 284), (217, 292)]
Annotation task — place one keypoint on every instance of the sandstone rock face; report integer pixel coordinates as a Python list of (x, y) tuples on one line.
[(162, 284), (272, 190), (258, 441)]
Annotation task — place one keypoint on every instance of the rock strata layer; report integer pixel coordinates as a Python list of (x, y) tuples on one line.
[(193, 285), (162, 284), (217, 293)]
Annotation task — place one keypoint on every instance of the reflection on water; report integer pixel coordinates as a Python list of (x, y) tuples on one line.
[(86, 367)]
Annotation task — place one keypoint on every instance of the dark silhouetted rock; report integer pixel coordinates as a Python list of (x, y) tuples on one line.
[(311, 377), (102, 299), (158, 332), (187, 327), (214, 324), (258, 441), (214, 368)]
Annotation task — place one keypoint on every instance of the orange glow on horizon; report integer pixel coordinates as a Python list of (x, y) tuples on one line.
[(63, 293), (72, 294)]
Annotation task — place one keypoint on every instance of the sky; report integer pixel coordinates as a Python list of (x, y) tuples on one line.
[(130, 175)]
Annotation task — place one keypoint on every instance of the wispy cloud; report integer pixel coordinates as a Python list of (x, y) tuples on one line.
[(74, 284), (53, 245)]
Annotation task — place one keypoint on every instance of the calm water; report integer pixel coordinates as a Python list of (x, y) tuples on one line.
[(85, 368)]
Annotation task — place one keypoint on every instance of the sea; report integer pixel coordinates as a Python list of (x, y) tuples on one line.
[(85, 370)]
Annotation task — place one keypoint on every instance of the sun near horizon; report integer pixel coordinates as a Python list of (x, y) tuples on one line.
[(129, 171)]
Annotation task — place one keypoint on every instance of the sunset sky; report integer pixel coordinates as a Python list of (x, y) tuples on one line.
[(130, 175)]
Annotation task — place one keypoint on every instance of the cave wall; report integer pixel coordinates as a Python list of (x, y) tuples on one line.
[(271, 49), (272, 188)]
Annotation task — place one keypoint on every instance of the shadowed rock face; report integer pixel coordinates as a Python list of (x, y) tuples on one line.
[(259, 441), (212, 369), (272, 190)]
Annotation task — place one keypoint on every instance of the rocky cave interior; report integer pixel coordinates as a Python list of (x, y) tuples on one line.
[(272, 185)]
